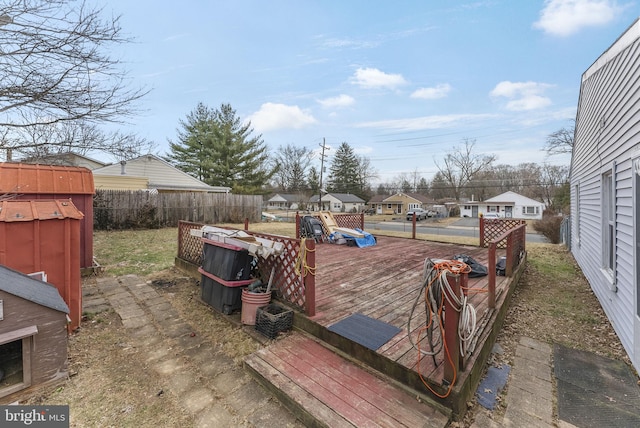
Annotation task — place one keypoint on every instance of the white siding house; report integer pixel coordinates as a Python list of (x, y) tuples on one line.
[(285, 201), (337, 202), (159, 174), (605, 185), (506, 205)]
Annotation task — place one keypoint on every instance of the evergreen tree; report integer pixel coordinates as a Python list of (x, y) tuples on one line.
[(313, 180), (343, 173), (193, 150), (215, 146)]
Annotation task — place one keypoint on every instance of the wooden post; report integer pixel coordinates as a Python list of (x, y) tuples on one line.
[(510, 256), (297, 225), (451, 336), (413, 226), (362, 220), (246, 223), (310, 278), (481, 220), (492, 275)]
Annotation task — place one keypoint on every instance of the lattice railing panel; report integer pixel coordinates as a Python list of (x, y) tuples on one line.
[(189, 247), (288, 285), (494, 228)]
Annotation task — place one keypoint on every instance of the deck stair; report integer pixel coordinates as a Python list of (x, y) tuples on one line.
[(324, 389)]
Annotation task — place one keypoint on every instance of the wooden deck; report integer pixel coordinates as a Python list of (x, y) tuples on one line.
[(383, 282), (327, 390)]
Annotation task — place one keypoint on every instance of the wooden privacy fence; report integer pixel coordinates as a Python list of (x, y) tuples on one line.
[(294, 269), (117, 209)]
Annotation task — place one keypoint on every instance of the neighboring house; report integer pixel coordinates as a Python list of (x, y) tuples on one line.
[(33, 333), (150, 172), (65, 159), (284, 201), (507, 205), (337, 202), (399, 203), (605, 185)]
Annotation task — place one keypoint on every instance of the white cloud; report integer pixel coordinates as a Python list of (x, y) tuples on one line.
[(272, 116), (566, 17), (425, 122), (522, 95), (341, 100), (370, 78), (439, 91)]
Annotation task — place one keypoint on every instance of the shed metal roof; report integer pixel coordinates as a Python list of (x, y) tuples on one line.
[(40, 209), (45, 179)]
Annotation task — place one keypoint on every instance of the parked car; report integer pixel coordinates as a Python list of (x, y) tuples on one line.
[(491, 215), (420, 214)]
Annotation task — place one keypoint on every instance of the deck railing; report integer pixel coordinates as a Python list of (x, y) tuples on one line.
[(349, 221), (492, 228), (514, 241), (294, 269)]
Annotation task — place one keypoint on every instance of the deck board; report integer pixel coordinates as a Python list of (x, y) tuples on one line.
[(331, 387), (382, 282)]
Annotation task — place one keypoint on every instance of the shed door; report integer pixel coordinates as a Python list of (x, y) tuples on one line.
[(636, 231), (474, 211)]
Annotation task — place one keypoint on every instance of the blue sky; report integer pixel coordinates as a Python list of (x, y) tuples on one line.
[(402, 82)]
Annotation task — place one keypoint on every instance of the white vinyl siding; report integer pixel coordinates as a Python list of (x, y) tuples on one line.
[(607, 135)]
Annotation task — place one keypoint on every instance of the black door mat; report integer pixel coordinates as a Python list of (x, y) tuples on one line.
[(364, 330), (595, 391)]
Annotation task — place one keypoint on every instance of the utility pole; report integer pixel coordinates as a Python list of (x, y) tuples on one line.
[(322, 156)]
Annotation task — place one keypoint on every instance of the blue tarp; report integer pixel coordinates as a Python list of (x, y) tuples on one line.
[(367, 241)]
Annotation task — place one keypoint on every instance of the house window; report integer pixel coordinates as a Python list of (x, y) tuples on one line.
[(531, 210), (608, 222), (336, 205), (413, 206), (389, 206), (492, 209), (467, 207)]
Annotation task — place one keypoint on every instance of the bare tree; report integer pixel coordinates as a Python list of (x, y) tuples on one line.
[(55, 67), (292, 168), (40, 142), (560, 141), (461, 165)]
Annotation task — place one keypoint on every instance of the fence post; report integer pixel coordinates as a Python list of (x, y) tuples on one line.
[(310, 276), (180, 239), (297, 225), (451, 336), (413, 226), (492, 275), (362, 220), (510, 256), (482, 242), (246, 223)]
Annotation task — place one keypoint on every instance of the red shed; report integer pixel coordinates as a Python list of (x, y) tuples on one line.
[(55, 182), (43, 235)]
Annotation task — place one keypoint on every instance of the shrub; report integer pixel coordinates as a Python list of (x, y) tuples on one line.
[(549, 226)]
